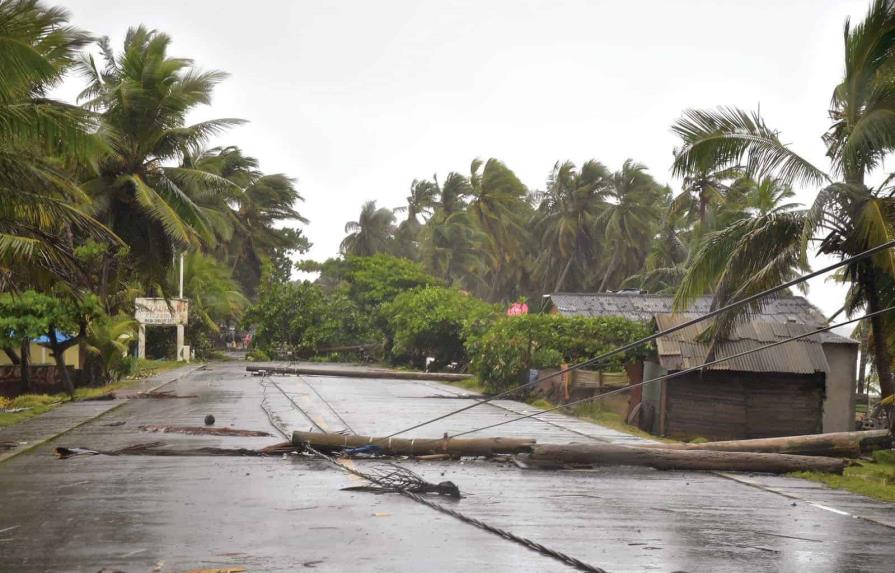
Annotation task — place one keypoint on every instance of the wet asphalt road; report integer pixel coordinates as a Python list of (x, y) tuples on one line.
[(140, 514)]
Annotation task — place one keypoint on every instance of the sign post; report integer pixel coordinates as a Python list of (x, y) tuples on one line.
[(162, 312)]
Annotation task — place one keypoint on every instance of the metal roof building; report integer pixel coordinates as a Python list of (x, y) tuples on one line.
[(803, 386)]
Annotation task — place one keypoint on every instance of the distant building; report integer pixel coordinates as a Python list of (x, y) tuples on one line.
[(801, 387)]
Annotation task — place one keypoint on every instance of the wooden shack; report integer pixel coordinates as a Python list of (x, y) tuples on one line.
[(801, 387)]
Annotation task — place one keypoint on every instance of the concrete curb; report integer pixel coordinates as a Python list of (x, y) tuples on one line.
[(182, 371)]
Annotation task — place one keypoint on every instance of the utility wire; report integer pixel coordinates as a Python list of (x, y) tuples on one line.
[(674, 374), (650, 338)]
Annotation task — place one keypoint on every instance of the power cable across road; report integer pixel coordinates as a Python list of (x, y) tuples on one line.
[(568, 560), (637, 343), (674, 374)]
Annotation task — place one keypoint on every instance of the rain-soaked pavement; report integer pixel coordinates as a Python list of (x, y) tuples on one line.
[(141, 514)]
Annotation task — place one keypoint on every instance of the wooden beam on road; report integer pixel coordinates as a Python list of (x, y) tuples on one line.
[(415, 447), (361, 373), (836, 444)]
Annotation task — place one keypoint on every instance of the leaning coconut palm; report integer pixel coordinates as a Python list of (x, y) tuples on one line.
[(449, 243), (420, 202), (632, 213), (143, 96), (372, 233), (40, 207), (252, 215), (848, 217), (499, 208), (566, 222)]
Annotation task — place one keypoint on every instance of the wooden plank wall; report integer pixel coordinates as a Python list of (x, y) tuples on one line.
[(738, 405)]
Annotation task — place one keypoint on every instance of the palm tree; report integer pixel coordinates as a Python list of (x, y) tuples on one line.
[(566, 219), (372, 232), (420, 202), (449, 241), (253, 215), (632, 212), (499, 209), (143, 97), (41, 209), (847, 217)]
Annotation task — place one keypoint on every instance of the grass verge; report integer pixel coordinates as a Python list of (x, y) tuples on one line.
[(36, 404), (874, 479)]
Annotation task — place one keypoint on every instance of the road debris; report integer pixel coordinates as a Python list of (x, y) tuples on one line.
[(158, 449), (392, 478), (209, 420), (164, 394), (412, 447), (202, 430)]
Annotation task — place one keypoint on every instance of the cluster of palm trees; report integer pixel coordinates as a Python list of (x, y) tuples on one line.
[(731, 231), (102, 196), (591, 229)]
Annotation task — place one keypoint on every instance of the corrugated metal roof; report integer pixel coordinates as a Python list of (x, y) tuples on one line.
[(787, 310), (680, 350)]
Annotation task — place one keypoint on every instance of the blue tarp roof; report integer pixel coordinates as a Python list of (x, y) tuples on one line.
[(60, 337)]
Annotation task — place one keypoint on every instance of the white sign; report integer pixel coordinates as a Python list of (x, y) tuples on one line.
[(160, 311)]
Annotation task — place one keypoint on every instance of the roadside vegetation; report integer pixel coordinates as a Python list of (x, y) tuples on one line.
[(874, 479), (25, 406), (98, 197)]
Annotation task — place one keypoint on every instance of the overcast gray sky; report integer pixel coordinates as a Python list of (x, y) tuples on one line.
[(356, 99)]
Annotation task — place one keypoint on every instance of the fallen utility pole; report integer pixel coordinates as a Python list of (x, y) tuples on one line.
[(612, 455), (413, 447), (360, 373), (577, 454), (837, 444)]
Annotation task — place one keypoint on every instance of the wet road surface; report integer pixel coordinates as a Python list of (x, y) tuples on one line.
[(137, 514)]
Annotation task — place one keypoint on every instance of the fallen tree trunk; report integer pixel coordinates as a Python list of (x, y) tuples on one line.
[(668, 459), (413, 447), (361, 373), (838, 444)]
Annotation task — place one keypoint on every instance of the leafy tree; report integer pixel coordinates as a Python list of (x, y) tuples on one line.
[(64, 320), (502, 355), (372, 232), (847, 216), (435, 322), (375, 280)]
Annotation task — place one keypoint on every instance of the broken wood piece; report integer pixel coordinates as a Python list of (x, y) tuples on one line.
[(202, 430), (837, 444), (670, 459), (415, 447), (433, 457)]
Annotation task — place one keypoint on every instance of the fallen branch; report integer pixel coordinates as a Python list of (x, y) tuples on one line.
[(203, 430)]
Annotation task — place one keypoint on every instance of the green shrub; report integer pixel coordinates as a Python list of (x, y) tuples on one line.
[(502, 355), (257, 355), (435, 321)]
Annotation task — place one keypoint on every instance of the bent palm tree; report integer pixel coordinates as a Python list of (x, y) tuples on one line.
[(847, 217), (39, 138), (143, 97), (566, 218), (371, 233)]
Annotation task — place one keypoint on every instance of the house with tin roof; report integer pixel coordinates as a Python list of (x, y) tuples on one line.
[(805, 386)]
